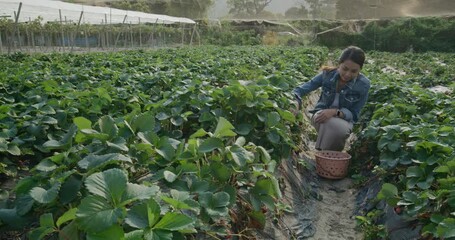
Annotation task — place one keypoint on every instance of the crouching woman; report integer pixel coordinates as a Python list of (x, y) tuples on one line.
[(344, 93)]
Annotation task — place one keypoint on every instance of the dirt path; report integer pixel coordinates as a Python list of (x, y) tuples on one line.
[(334, 211)]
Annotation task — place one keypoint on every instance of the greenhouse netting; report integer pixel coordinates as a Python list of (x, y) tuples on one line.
[(51, 11), (47, 26)]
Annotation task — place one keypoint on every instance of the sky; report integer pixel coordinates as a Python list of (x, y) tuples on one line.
[(220, 8)]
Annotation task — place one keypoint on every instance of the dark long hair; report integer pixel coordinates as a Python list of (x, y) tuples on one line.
[(353, 53)]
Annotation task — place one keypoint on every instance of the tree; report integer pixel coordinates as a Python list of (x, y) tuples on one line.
[(240, 8), (195, 9), (300, 12)]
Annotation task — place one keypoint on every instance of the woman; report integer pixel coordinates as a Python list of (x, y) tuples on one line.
[(344, 93)]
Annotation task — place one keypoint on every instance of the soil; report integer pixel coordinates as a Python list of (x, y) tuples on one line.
[(335, 218)]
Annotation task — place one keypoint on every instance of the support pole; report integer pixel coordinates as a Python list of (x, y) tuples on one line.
[(192, 34), (106, 35), (118, 34), (61, 29), (77, 30), (183, 33), (140, 33), (16, 20)]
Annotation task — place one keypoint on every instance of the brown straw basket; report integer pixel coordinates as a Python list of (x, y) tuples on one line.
[(332, 164)]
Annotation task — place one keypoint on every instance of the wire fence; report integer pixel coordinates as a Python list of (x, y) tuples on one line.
[(68, 36)]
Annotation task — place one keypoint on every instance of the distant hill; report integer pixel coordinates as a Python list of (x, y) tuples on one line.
[(220, 8)]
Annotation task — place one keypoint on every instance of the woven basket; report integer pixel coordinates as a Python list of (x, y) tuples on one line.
[(332, 164)]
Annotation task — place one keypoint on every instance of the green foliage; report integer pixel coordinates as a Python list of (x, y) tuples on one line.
[(157, 144), (408, 133), (398, 35)]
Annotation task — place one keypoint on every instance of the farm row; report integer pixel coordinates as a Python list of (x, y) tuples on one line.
[(153, 145), (408, 133), (185, 142)]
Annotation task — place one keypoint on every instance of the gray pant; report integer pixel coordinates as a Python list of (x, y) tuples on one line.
[(332, 134)]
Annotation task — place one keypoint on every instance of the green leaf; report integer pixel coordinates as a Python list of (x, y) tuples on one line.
[(118, 144), (162, 116), (143, 123), (46, 220), (110, 184), (82, 123), (143, 215), (215, 204), (70, 189), (210, 144), (12, 219), (259, 218), (389, 190), (220, 171), (69, 232), (224, 129), (13, 149), (46, 166), (414, 171), (265, 155), (95, 134), (24, 203), (394, 145), (273, 137), (169, 176), (39, 233), (273, 118), (446, 229), (267, 186), (42, 195), (200, 133), (67, 216), (287, 115), (240, 155), (103, 93), (149, 138), (94, 161), (244, 128), (175, 222), (49, 120), (95, 214), (107, 126), (135, 235), (114, 232), (177, 121), (442, 169), (165, 149), (139, 192), (155, 234), (220, 199)]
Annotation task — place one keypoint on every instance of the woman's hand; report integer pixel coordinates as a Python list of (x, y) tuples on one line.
[(325, 115)]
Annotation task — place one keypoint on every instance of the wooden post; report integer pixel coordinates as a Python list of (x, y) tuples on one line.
[(153, 30), (192, 34), (61, 29), (86, 38), (118, 35), (77, 30), (140, 34), (16, 20), (183, 33), (131, 35), (1, 43), (106, 35)]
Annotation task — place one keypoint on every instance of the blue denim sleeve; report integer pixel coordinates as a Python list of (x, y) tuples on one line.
[(352, 114), (307, 87)]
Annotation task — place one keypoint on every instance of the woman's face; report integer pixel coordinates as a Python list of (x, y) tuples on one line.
[(348, 70)]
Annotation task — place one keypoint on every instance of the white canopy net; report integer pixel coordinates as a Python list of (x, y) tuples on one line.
[(49, 10)]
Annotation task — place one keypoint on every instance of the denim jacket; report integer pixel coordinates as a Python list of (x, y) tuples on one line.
[(353, 95)]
